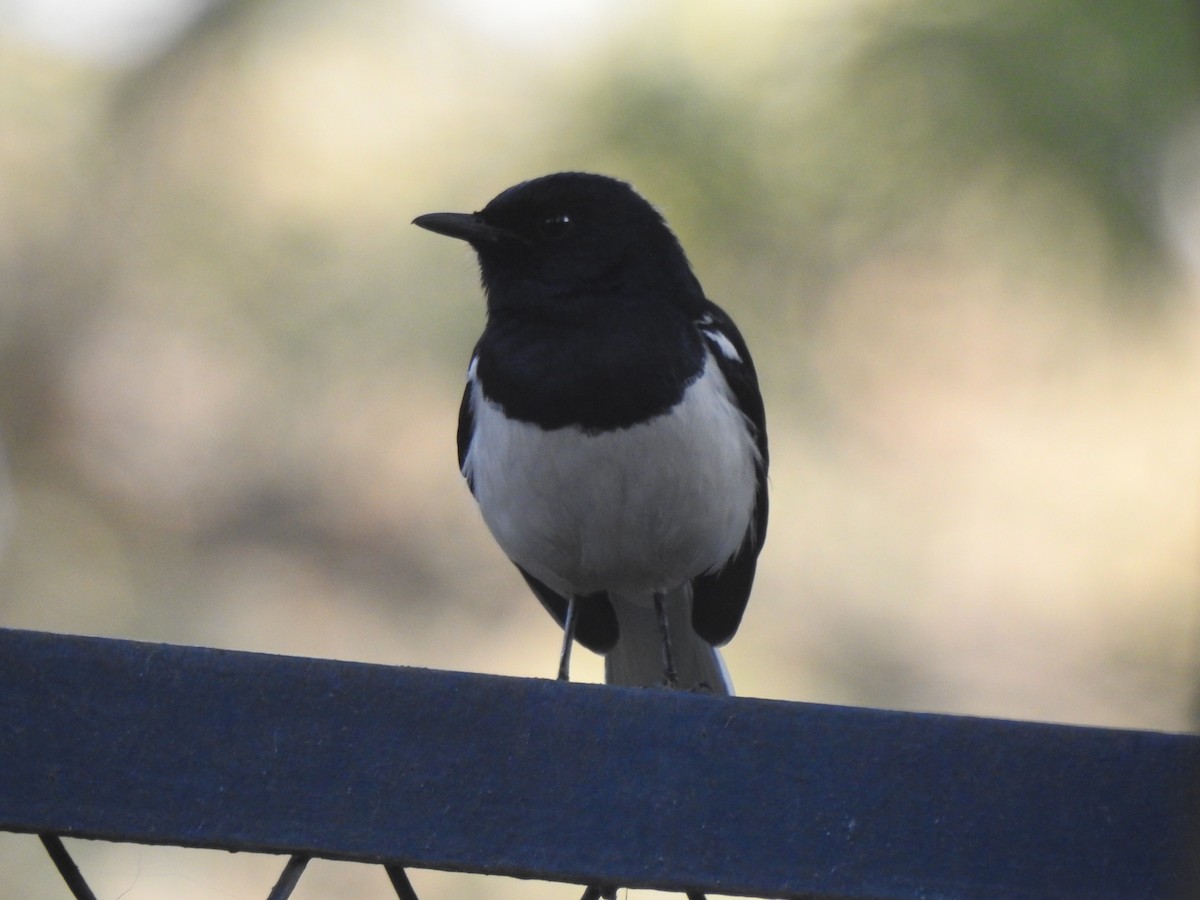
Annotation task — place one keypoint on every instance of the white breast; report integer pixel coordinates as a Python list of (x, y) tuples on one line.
[(638, 510)]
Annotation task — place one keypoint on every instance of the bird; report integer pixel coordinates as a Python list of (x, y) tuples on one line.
[(611, 429)]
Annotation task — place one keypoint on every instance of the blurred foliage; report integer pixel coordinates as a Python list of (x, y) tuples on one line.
[(229, 368), (910, 103), (1087, 92)]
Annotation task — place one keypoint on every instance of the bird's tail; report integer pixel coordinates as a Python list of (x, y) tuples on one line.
[(637, 658)]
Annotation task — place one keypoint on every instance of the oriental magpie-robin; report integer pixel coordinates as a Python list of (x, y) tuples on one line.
[(612, 430)]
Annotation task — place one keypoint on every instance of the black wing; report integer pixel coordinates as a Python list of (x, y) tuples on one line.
[(719, 598), (595, 623), (466, 421)]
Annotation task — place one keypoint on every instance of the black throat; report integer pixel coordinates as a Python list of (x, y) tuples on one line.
[(600, 372)]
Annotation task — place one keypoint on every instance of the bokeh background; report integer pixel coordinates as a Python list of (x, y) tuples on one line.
[(963, 240)]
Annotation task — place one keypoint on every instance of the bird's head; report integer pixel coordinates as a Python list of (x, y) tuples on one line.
[(572, 238)]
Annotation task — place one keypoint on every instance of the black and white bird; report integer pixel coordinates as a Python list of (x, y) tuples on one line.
[(612, 430)]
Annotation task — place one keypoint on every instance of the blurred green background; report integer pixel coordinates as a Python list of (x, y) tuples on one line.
[(963, 241)]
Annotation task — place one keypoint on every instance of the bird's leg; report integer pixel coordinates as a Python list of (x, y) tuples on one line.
[(660, 612), (564, 659)]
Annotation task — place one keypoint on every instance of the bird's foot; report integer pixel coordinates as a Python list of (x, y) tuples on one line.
[(599, 892)]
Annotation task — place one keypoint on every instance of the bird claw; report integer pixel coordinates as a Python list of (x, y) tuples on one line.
[(599, 892)]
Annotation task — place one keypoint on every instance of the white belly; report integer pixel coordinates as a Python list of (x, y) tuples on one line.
[(638, 510)]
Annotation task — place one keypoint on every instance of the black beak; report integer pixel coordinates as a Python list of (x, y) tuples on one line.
[(464, 226)]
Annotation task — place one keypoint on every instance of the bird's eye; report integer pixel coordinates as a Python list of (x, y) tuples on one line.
[(555, 226)]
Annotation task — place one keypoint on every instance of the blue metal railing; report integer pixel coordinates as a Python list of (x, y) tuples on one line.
[(587, 784)]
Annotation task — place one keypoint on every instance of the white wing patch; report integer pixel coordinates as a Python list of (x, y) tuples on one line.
[(717, 338)]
